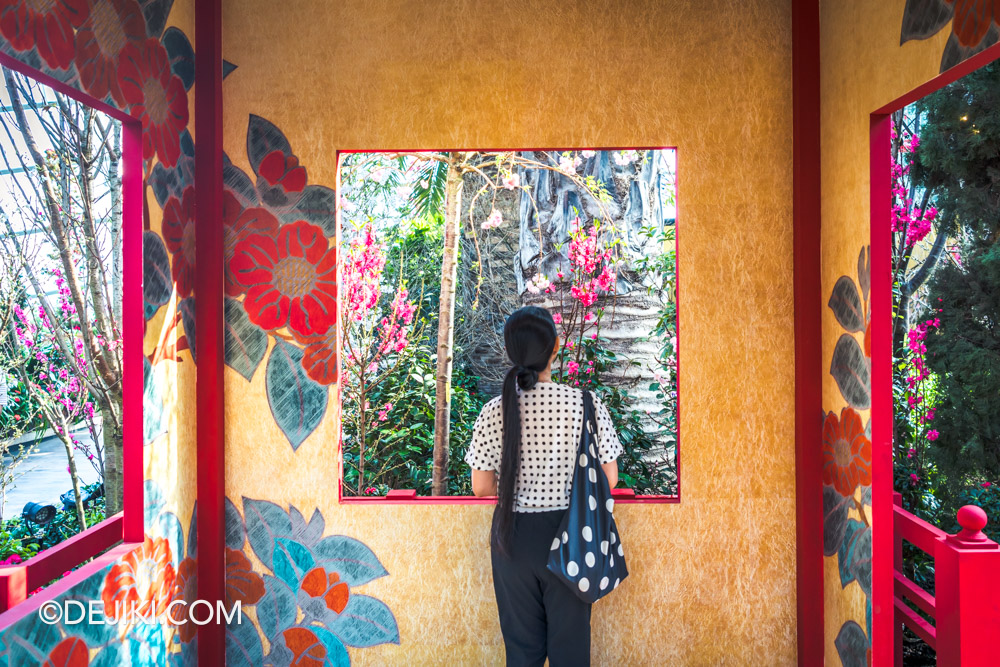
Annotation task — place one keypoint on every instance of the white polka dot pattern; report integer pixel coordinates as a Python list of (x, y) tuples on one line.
[(551, 422)]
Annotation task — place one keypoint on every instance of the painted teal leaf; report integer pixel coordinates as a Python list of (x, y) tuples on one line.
[(276, 611), (336, 652), (264, 137), (181, 55), (297, 402), (351, 559), (852, 645), (154, 416), (243, 645), (365, 622), (265, 523), (171, 529), (157, 283), (835, 508), (845, 302), (235, 531), (924, 18), (246, 343), (307, 534), (153, 497), (291, 562), (852, 371)]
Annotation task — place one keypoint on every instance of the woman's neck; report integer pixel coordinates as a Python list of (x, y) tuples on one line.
[(546, 375)]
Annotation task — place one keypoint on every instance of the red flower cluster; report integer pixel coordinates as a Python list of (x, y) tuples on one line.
[(290, 279), (178, 235), (48, 26), (110, 26), (847, 452)]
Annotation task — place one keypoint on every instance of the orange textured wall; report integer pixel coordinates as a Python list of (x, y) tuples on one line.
[(713, 578), (863, 67)]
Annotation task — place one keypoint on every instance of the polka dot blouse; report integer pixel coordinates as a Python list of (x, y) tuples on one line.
[(551, 422)]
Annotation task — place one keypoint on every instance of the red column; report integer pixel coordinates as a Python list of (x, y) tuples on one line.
[(967, 587)]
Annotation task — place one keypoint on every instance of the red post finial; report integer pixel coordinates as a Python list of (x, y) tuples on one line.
[(972, 519)]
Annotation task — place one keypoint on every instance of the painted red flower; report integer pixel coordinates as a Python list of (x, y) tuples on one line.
[(70, 652), (290, 279), (319, 357), (157, 97), (307, 650), (238, 225), (327, 585), (847, 452), (186, 589), (973, 19), (45, 24), (178, 235), (111, 25), (242, 583), (143, 581), (279, 169)]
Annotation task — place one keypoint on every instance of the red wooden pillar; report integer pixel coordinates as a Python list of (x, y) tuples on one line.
[(967, 587)]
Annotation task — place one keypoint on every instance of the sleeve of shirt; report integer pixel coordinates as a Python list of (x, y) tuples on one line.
[(608, 446), (487, 439)]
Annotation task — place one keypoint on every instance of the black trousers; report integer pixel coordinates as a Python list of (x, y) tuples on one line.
[(539, 615)]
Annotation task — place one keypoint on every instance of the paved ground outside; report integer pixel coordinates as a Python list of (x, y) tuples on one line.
[(42, 477)]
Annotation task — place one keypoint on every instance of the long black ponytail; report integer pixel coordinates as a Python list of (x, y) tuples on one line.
[(530, 338)]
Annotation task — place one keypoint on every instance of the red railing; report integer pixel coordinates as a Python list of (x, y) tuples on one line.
[(965, 609)]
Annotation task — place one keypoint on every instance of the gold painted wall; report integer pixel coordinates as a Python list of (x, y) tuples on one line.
[(713, 578), (863, 67)]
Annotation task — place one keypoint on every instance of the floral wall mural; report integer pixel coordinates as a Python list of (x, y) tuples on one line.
[(975, 25), (306, 604), (847, 457)]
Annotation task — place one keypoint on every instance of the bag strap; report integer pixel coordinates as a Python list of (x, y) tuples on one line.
[(589, 416)]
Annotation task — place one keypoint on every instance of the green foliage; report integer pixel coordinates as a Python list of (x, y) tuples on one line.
[(26, 539)]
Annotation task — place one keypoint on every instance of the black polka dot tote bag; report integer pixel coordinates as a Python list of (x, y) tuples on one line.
[(587, 550)]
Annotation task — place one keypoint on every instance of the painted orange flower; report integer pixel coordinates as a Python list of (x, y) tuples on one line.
[(46, 25), (186, 590), (291, 278), (100, 40), (157, 97), (70, 652), (319, 357), (239, 224), (143, 580), (178, 235), (242, 583), (306, 648), (973, 19), (847, 452), (319, 583)]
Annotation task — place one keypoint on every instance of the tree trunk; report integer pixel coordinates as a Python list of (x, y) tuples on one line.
[(446, 326), (113, 469), (68, 444)]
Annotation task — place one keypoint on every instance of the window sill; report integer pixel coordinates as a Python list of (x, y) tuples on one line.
[(410, 497)]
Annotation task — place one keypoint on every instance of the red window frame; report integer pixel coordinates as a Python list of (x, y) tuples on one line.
[(883, 546), (409, 496), (126, 526)]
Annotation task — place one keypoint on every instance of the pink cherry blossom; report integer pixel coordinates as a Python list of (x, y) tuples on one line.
[(494, 220)]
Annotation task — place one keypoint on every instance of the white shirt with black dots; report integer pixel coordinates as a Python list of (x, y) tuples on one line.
[(551, 423)]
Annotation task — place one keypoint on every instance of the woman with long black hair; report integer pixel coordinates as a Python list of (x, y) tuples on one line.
[(523, 449)]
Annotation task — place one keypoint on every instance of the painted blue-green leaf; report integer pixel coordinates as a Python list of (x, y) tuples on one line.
[(156, 13), (112, 655), (276, 611), (170, 528), (243, 645), (34, 641), (845, 302), (167, 182), (227, 68), (318, 206), (239, 184), (265, 523), (147, 644), (153, 497), (264, 137), (365, 622), (336, 652), (351, 559), (307, 534), (181, 55), (924, 18), (835, 508), (852, 371), (154, 415), (852, 645), (855, 555), (246, 343), (297, 402), (291, 562), (235, 532), (192, 548), (186, 306), (157, 284)]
